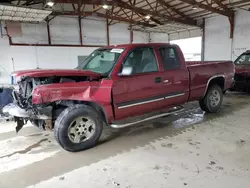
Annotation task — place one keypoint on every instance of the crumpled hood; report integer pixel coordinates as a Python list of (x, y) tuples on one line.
[(54, 72)]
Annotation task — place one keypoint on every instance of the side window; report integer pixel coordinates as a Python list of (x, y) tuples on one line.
[(142, 60), (169, 58)]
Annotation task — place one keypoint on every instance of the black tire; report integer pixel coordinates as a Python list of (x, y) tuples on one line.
[(64, 120), (206, 104), (202, 105)]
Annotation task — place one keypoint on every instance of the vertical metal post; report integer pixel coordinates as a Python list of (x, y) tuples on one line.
[(232, 24), (80, 29), (48, 31), (107, 28), (131, 36), (203, 41)]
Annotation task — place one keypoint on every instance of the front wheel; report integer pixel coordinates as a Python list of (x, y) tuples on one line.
[(212, 101), (77, 128)]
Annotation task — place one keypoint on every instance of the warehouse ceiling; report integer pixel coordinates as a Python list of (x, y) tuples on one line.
[(146, 15)]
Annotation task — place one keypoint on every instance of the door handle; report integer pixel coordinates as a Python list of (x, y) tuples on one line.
[(157, 79), (166, 81)]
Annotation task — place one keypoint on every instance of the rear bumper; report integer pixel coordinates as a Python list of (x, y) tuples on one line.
[(14, 110)]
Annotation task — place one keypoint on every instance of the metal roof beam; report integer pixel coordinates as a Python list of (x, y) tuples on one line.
[(122, 4), (219, 2), (155, 14), (163, 3), (227, 13), (107, 16)]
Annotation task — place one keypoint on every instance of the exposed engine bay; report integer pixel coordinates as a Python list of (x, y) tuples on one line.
[(42, 115), (26, 85)]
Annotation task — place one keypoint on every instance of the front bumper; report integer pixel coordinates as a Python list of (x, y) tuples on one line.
[(21, 116), (14, 110)]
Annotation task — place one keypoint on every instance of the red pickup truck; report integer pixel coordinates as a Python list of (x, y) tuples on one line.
[(242, 73), (117, 86)]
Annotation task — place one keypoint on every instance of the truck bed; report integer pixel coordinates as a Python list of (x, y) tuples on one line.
[(196, 63), (200, 73)]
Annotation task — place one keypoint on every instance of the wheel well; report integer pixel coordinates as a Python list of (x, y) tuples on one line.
[(219, 81), (98, 109), (61, 105)]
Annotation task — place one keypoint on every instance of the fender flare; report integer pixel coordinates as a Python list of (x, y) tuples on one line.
[(210, 79)]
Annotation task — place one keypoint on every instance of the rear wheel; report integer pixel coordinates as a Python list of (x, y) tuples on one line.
[(212, 101), (77, 128)]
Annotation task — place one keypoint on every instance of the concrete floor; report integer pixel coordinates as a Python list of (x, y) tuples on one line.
[(190, 149)]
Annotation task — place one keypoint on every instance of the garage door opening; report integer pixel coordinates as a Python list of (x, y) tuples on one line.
[(191, 48)]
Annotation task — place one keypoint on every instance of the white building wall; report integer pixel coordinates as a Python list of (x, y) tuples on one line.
[(241, 41), (119, 34), (64, 30), (5, 61), (218, 45), (94, 31), (217, 40), (140, 37), (159, 37), (31, 57), (33, 33)]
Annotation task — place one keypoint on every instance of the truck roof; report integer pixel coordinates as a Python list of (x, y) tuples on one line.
[(138, 45)]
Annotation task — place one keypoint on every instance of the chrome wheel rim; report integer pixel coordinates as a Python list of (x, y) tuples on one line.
[(215, 98), (81, 129)]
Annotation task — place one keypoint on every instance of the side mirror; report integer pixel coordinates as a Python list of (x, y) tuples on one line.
[(126, 71)]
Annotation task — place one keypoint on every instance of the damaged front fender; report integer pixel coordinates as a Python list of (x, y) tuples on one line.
[(99, 92)]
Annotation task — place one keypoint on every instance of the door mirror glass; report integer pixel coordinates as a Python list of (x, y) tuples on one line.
[(126, 71)]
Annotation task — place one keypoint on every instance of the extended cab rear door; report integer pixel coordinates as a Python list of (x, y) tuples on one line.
[(175, 75)]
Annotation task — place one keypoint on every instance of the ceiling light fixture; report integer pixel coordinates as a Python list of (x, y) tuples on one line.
[(195, 7), (50, 3), (105, 6), (148, 17)]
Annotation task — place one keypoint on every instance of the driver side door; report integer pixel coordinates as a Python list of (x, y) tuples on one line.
[(141, 92)]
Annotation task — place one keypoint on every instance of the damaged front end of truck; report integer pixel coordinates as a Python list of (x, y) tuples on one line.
[(42, 95), (22, 108)]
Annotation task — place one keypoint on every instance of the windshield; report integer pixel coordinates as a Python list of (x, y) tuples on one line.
[(101, 61), (244, 59)]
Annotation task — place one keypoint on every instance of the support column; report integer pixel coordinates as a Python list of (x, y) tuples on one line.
[(203, 40), (48, 31), (169, 38), (232, 24), (80, 29), (107, 29), (131, 36)]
